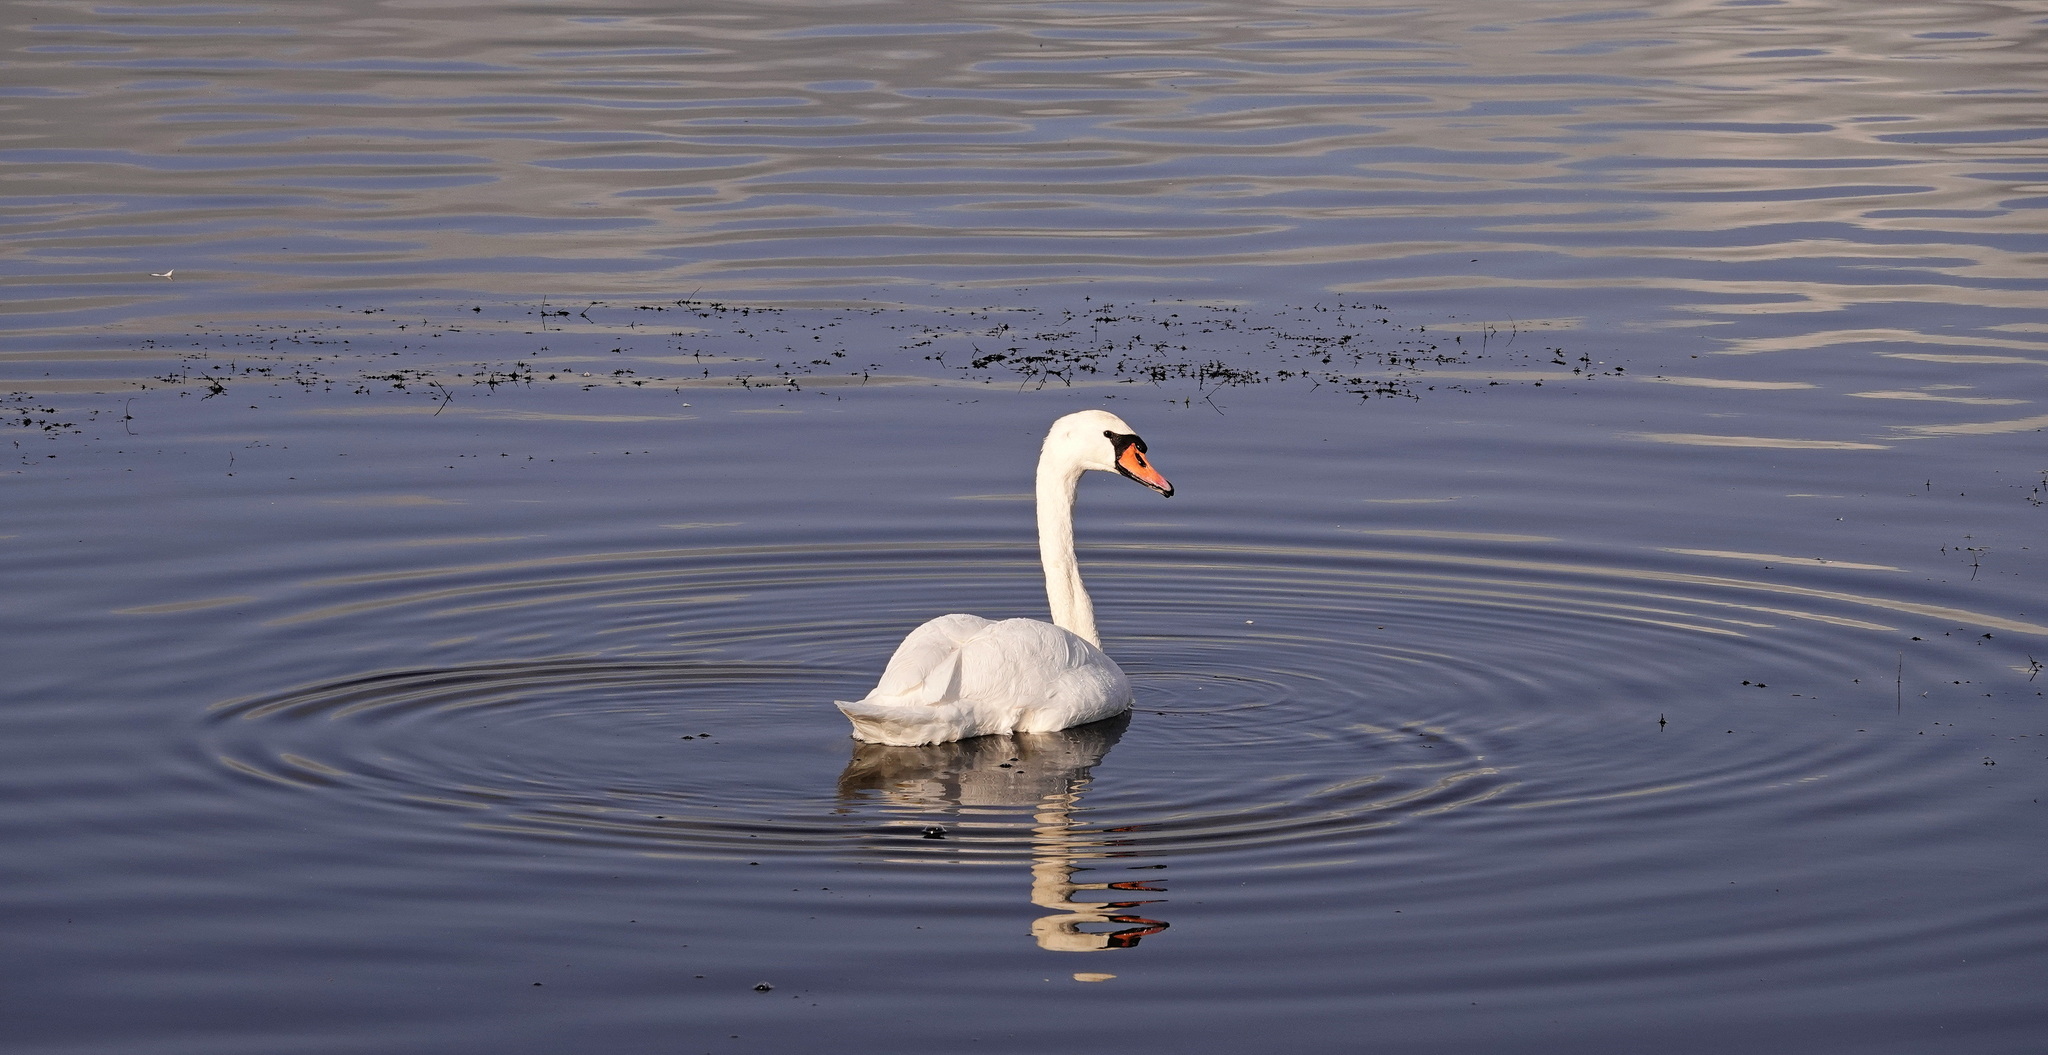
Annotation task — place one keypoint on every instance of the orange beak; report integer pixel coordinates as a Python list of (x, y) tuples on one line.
[(1132, 463)]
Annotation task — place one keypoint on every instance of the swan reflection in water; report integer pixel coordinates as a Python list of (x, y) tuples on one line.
[(980, 780)]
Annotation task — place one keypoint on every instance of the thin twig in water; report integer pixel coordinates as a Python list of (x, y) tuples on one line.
[(447, 397)]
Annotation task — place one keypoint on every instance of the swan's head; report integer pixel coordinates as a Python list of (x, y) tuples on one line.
[(1097, 439)]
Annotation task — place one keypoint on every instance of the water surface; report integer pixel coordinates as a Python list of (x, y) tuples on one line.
[(1600, 609)]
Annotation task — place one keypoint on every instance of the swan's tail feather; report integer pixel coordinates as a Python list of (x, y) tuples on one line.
[(940, 687), (894, 720), (927, 712)]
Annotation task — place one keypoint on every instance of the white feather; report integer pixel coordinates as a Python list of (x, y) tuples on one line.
[(960, 676)]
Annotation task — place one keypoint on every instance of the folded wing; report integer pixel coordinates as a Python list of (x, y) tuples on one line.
[(961, 675)]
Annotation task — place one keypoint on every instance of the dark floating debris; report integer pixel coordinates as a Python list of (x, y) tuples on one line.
[(1189, 352), (1219, 346), (933, 832), (26, 411), (1353, 347)]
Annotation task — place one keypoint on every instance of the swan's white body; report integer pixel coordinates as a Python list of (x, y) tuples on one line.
[(959, 676)]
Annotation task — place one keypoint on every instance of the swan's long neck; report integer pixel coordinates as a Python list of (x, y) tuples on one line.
[(1071, 609)]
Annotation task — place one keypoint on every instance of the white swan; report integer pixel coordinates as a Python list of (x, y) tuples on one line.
[(961, 675)]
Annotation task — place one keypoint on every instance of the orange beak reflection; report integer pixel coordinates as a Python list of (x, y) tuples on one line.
[(1132, 463)]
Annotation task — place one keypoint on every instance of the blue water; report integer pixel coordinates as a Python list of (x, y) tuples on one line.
[(1600, 609)]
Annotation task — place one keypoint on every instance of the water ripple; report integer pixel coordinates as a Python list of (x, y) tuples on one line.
[(1316, 696)]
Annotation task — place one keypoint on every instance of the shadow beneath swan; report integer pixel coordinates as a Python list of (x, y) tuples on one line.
[(979, 780)]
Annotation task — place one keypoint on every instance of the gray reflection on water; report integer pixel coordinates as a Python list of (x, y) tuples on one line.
[(1715, 152), (981, 781)]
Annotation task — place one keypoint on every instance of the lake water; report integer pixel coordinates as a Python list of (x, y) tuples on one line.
[(456, 453)]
